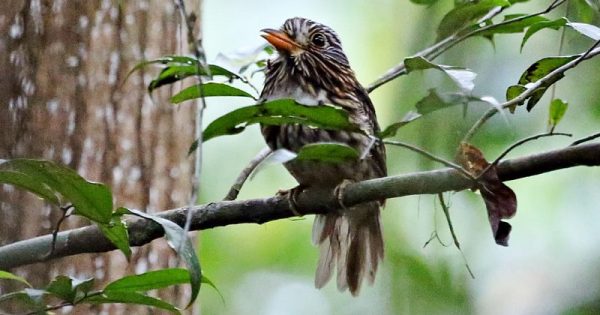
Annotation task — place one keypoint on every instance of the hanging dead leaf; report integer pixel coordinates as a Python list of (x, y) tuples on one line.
[(500, 200)]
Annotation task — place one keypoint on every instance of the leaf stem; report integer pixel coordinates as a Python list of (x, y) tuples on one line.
[(531, 88), (454, 237), (430, 156), (517, 144)]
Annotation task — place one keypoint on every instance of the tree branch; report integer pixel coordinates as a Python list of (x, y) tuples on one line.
[(442, 46), (241, 179), (89, 239), (544, 82)]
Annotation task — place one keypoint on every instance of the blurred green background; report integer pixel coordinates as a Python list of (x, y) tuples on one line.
[(551, 265)]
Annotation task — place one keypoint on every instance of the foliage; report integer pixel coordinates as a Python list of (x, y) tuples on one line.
[(130, 290), (65, 189)]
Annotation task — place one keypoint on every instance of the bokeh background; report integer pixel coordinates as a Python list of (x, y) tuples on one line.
[(551, 265), (63, 96)]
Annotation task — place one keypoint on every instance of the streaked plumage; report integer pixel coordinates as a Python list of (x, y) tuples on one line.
[(312, 68)]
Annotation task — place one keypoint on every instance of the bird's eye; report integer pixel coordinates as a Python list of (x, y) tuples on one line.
[(318, 40)]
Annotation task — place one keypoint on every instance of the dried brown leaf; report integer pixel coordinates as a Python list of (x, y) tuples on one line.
[(500, 200)]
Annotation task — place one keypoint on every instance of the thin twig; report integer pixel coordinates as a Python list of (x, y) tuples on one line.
[(65, 214), (532, 88), (400, 69), (454, 237), (195, 45), (586, 139), (517, 144), (552, 6), (560, 50), (50, 308), (244, 79), (435, 236), (241, 179), (444, 45), (431, 156)]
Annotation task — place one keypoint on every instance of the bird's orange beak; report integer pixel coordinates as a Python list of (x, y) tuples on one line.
[(280, 40)]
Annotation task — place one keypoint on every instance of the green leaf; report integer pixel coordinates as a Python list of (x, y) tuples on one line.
[(59, 185), (82, 286), (462, 77), (181, 243), (543, 67), (150, 280), (537, 71), (175, 60), (512, 92), (278, 112), (269, 50), (178, 60), (585, 10), (212, 285), (116, 232), (206, 90), (555, 25), (558, 108), (465, 14), (36, 295), (9, 276), (589, 30), (220, 71), (62, 287), (32, 298), (176, 72), (517, 26), (435, 101), (194, 145), (327, 152), (130, 298), (392, 129), (69, 289), (516, 90), (172, 74)]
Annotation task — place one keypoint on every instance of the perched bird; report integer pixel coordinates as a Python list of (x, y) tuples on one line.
[(311, 68)]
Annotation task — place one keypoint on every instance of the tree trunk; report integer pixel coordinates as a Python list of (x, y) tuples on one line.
[(65, 97)]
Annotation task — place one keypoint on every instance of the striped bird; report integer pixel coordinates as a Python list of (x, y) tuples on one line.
[(312, 68)]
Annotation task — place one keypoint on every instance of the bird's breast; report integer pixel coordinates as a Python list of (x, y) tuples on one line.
[(308, 96)]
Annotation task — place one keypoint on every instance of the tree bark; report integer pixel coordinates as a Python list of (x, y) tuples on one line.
[(90, 239), (64, 82)]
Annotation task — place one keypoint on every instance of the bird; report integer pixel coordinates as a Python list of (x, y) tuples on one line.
[(311, 68)]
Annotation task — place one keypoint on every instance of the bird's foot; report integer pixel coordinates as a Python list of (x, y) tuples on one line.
[(339, 192), (292, 195)]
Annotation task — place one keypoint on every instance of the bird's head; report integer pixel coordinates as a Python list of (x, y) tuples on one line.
[(300, 36), (314, 50)]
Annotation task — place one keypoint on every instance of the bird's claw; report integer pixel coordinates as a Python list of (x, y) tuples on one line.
[(292, 198), (339, 192)]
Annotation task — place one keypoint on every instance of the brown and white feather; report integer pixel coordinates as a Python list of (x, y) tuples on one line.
[(350, 239)]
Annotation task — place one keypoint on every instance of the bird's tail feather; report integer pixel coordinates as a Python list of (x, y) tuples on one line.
[(352, 243)]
